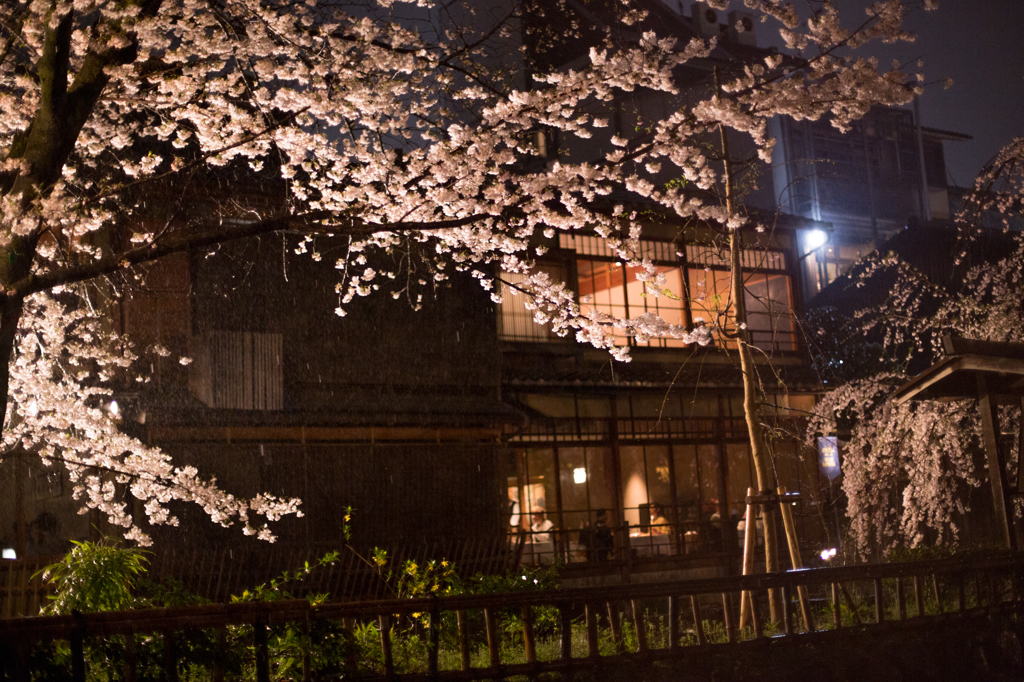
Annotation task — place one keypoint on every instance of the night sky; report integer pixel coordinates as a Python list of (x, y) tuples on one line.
[(980, 45)]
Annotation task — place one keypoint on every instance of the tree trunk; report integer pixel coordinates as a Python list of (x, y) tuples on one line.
[(751, 393), (10, 314), (15, 263)]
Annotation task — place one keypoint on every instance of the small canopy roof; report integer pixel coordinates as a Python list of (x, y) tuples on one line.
[(956, 377)]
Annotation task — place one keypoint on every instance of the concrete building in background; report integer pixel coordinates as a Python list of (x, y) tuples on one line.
[(882, 175)]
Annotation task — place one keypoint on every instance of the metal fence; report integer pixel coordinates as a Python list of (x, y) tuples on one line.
[(591, 626)]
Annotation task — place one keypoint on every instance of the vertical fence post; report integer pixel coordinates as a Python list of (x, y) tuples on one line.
[(307, 643), (673, 622), (259, 641), (528, 641), (837, 608), (129, 657), (727, 615), (434, 641), (638, 622), (384, 622), (787, 610), (961, 593), (938, 595), (463, 638), (879, 601), (615, 624), (593, 650), (493, 645), (901, 600), (564, 633), (698, 621), (755, 615), (919, 595), (77, 641), (219, 651), (351, 652)]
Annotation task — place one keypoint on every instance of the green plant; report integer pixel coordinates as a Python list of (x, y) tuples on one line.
[(95, 576)]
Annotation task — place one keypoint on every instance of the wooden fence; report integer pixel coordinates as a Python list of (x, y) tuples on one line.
[(23, 592), (218, 574), (891, 595)]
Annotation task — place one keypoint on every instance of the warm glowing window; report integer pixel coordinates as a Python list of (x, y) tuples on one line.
[(617, 290), (515, 321), (767, 298), (703, 294)]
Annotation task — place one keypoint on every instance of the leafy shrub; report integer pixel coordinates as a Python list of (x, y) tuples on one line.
[(95, 576)]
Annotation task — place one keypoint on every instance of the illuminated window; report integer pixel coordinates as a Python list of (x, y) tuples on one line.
[(703, 294)]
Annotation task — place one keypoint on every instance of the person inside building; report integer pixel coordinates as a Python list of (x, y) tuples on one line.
[(513, 511), (540, 527), (659, 524), (596, 539)]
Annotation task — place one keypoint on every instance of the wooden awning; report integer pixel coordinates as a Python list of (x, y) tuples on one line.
[(956, 376), (991, 373)]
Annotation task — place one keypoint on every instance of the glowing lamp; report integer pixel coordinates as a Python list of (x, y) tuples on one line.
[(579, 475), (815, 239)]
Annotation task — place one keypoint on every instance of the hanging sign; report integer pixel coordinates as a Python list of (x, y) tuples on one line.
[(828, 456)]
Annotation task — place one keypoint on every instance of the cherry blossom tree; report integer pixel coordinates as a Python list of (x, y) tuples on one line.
[(396, 126), (909, 468)]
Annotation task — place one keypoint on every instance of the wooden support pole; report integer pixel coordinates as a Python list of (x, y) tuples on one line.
[(918, 595), (749, 543), (938, 595), (794, 557), (901, 600), (996, 463)]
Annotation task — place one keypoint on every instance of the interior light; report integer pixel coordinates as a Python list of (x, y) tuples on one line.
[(9, 553), (815, 239), (579, 475), (113, 408)]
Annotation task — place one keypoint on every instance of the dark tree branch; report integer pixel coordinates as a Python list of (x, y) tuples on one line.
[(322, 223)]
